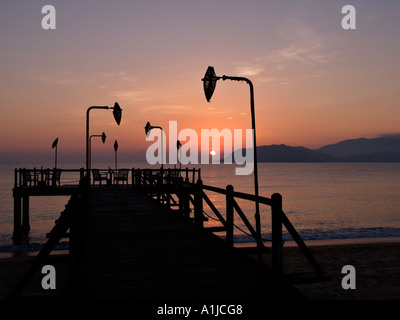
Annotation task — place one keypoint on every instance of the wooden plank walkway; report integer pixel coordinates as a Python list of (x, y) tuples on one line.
[(134, 249)]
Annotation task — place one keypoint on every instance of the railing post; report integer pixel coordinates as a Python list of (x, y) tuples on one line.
[(180, 194), (139, 178), (184, 207), (168, 189), (276, 211), (81, 175), (198, 203), (229, 216), (159, 188)]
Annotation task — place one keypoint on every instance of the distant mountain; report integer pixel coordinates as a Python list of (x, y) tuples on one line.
[(284, 153), (356, 147), (382, 149), (382, 156)]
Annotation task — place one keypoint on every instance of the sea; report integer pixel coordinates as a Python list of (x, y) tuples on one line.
[(323, 201)]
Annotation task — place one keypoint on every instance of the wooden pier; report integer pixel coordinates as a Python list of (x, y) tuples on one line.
[(146, 240), (135, 249)]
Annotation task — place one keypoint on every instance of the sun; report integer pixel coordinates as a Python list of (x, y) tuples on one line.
[(213, 153)]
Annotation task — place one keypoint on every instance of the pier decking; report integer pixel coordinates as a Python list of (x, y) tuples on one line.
[(146, 240), (135, 249)]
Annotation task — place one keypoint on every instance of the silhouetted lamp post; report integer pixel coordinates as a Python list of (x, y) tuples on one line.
[(115, 151), (147, 129), (178, 147), (54, 145), (117, 112), (209, 82), (103, 139)]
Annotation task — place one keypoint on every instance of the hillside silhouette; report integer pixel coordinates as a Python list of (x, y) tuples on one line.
[(381, 149)]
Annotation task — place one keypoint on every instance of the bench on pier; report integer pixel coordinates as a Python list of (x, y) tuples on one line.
[(121, 175), (97, 176)]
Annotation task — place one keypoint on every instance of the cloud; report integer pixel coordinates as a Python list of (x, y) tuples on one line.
[(249, 70), (310, 53), (165, 109)]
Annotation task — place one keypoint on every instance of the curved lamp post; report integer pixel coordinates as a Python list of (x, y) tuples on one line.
[(178, 146), (103, 139), (117, 113), (209, 83), (147, 129)]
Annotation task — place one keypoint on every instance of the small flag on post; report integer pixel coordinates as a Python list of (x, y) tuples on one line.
[(55, 142), (54, 145), (115, 149)]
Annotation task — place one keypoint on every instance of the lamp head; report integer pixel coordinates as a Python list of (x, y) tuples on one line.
[(209, 82), (117, 112), (103, 137), (147, 128)]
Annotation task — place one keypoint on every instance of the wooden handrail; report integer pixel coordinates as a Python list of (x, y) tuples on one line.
[(190, 192)]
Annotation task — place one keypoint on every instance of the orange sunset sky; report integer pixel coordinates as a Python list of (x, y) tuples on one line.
[(315, 83)]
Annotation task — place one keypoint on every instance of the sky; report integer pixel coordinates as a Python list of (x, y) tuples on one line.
[(315, 83)]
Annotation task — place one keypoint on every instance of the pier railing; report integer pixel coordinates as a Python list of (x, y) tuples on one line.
[(46, 177), (180, 190), (174, 188)]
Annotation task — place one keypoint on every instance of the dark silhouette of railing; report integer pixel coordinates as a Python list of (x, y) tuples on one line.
[(45, 177), (170, 188)]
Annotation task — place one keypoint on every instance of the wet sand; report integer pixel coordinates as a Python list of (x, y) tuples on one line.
[(377, 268)]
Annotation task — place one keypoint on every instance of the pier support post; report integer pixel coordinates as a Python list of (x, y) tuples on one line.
[(198, 204), (276, 210), (184, 208), (229, 216), (17, 234), (25, 214)]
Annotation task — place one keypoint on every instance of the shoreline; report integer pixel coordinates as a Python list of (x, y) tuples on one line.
[(288, 244), (329, 242), (376, 261)]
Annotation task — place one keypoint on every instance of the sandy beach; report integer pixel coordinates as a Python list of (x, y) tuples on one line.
[(376, 264), (377, 268)]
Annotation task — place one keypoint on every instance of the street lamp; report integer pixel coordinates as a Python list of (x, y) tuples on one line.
[(178, 146), (115, 151), (117, 113), (103, 139), (147, 129), (209, 83)]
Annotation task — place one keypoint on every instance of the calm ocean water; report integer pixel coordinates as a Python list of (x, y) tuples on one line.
[(322, 200)]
